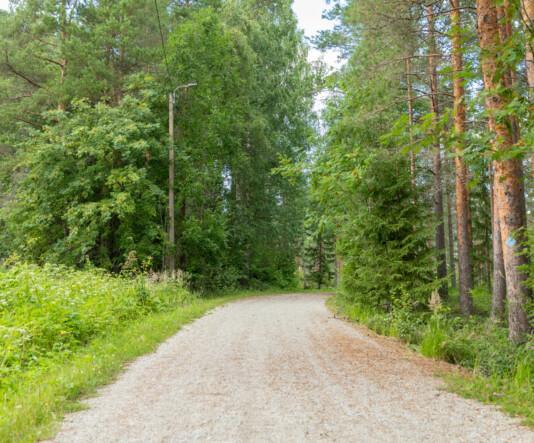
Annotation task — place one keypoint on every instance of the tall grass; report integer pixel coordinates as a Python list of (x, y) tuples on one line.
[(51, 311), (32, 409)]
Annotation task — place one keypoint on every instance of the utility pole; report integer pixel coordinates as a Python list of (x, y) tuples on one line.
[(171, 235), (170, 259)]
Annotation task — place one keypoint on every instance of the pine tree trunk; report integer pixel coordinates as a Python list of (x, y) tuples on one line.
[(508, 180), (527, 13), (498, 295), (510, 76), (438, 191), (463, 218), (410, 117), (450, 236)]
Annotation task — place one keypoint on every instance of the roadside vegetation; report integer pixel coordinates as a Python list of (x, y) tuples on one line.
[(85, 150), (98, 192), (65, 332)]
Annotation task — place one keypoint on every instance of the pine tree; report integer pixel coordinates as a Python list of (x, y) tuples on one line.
[(319, 258), (463, 218), (508, 175)]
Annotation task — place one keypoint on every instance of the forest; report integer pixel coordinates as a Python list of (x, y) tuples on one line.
[(160, 149)]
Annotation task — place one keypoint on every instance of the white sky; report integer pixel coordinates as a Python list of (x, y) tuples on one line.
[(4, 4), (309, 14)]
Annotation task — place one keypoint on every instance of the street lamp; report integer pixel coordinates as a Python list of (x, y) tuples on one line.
[(171, 254)]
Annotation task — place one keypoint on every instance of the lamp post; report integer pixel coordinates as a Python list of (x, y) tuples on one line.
[(171, 234)]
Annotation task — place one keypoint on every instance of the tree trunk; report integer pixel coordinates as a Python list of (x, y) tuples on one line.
[(509, 76), (508, 180), (463, 218), (527, 13), (339, 269), (450, 235), (498, 295), (410, 117), (320, 278), (182, 258), (438, 191)]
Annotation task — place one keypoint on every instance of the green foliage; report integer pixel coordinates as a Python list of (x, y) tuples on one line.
[(361, 177), (52, 311), (57, 51), (86, 127), (384, 242), (89, 191), (240, 221)]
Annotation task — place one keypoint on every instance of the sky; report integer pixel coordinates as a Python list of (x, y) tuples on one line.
[(309, 14)]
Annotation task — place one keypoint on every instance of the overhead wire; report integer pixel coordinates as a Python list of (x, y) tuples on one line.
[(163, 42)]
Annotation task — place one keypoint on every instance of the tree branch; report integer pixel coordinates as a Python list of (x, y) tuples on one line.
[(20, 74)]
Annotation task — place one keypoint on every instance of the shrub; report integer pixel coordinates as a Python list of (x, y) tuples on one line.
[(48, 312)]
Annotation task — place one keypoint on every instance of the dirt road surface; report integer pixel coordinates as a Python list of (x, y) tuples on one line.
[(283, 369)]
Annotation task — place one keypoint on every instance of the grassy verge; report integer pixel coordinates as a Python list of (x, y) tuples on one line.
[(500, 373), (46, 393)]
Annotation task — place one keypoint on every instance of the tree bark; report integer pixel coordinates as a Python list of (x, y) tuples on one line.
[(527, 14), (463, 218), (498, 294), (508, 174), (438, 191), (450, 235), (509, 75), (410, 117)]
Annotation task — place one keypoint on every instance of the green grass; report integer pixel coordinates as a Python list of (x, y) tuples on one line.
[(432, 344), (499, 373), (44, 394), (513, 393)]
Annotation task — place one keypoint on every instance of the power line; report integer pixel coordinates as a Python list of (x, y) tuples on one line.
[(162, 41)]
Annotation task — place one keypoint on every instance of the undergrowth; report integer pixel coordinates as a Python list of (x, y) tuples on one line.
[(51, 311), (500, 372)]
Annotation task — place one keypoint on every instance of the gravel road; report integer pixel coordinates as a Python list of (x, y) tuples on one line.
[(283, 369)]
